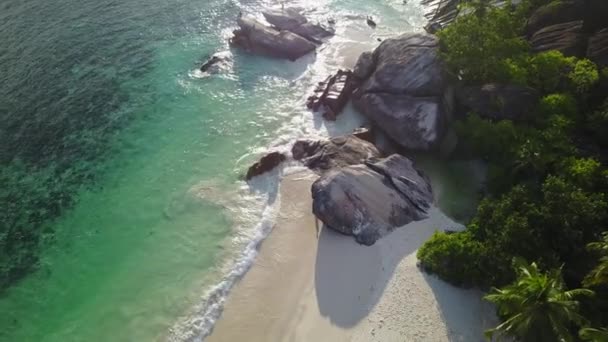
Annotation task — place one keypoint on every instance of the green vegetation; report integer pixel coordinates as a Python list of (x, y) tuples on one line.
[(546, 196), (537, 306)]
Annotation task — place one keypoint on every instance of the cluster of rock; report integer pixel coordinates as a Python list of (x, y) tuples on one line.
[(401, 87), (289, 34), (358, 193)]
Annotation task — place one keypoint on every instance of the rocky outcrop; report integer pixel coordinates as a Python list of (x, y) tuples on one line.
[(291, 20), (371, 199), (498, 101), (256, 37), (596, 15), (442, 12), (267, 163), (597, 50), (406, 94), (557, 12), (334, 93), (568, 38), (323, 155)]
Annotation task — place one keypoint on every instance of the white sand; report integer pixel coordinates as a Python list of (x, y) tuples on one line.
[(304, 288)]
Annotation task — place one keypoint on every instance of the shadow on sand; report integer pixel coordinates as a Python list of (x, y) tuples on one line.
[(465, 313), (351, 278)]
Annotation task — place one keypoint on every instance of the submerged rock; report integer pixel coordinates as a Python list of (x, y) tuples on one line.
[(256, 37), (371, 199), (370, 22), (209, 63), (406, 92), (323, 155), (265, 164)]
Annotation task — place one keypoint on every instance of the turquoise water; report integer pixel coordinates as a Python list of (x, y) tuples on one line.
[(130, 161)]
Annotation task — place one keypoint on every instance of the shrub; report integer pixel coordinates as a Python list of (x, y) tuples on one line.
[(559, 104), (584, 172), (541, 149), (584, 76), (546, 71), (549, 225), (454, 257), (491, 141), (597, 124), (477, 47)]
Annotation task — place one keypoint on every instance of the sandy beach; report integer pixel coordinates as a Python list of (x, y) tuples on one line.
[(312, 284)]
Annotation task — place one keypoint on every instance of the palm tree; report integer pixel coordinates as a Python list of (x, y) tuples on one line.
[(594, 335), (599, 275), (537, 307)]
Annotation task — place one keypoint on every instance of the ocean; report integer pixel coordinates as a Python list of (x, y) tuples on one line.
[(123, 164)]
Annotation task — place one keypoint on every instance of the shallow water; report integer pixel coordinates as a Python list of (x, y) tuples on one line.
[(134, 159)]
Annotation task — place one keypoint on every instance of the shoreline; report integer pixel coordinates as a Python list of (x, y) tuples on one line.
[(310, 283)]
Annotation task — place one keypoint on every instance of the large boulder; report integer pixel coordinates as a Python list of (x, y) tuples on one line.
[(597, 50), (556, 12), (336, 152), (408, 64), (568, 38), (291, 20), (369, 200), (365, 66), (406, 93), (414, 122), (256, 37), (498, 101)]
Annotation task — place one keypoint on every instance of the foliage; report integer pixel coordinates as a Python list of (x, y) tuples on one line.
[(599, 275), (584, 76), (562, 104), (547, 185), (547, 71), (523, 151), (594, 335), (477, 47), (547, 225), (537, 306), (491, 141), (597, 124), (455, 256)]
